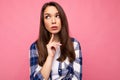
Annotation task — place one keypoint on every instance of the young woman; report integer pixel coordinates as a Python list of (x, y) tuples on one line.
[(55, 55)]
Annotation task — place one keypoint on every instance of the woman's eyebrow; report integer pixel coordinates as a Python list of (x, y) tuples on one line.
[(46, 13), (50, 13)]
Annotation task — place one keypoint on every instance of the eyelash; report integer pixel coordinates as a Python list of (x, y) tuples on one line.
[(46, 17)]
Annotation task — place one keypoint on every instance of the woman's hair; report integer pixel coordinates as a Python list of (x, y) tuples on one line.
[(67, 49)]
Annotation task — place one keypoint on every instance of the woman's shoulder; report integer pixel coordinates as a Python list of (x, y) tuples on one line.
[(33, 50), (74, 40), (33, 46), (76, 43)]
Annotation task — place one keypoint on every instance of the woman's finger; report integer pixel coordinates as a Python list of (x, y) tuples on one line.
[(51, 39)]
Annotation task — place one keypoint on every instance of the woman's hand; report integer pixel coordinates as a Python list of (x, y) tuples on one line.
[(52, 46)]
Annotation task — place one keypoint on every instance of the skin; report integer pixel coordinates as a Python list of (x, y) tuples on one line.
[(51, 18)]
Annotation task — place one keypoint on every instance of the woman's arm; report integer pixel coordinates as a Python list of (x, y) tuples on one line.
[(37, 72), (51, 49), (34, 66), (77, 64), (45, 71)]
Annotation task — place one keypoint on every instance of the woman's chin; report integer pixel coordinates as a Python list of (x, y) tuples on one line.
[(54, 32)]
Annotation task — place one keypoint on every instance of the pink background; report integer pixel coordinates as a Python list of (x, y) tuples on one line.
[(95, 23)]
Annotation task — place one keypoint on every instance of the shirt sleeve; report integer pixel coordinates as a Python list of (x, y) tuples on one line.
[(77, 64), (34, 66)]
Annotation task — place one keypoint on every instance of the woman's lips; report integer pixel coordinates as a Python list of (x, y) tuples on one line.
[(54, 27)]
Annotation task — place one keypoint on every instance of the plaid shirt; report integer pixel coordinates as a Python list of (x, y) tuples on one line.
[(66, 70)]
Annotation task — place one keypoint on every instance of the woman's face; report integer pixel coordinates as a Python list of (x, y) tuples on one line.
[(52, 20)]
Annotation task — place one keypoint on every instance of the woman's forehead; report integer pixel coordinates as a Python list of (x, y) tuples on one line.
[(50, 10)]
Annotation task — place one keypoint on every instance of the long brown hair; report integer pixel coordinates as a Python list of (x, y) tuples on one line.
[(67, 49)]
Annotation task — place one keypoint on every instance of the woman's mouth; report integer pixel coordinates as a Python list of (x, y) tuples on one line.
[(54, 27)]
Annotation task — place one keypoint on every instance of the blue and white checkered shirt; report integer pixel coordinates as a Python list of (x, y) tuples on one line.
[(66, 70)]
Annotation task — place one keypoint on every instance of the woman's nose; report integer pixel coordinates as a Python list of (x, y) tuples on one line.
[(53, 20)]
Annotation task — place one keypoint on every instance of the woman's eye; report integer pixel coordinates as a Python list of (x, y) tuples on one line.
[(57, 16), (47, 17)]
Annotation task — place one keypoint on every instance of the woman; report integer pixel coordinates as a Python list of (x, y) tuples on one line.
[(55, 56)]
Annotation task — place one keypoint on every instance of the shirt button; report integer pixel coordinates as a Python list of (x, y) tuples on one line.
[(59, 70)]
